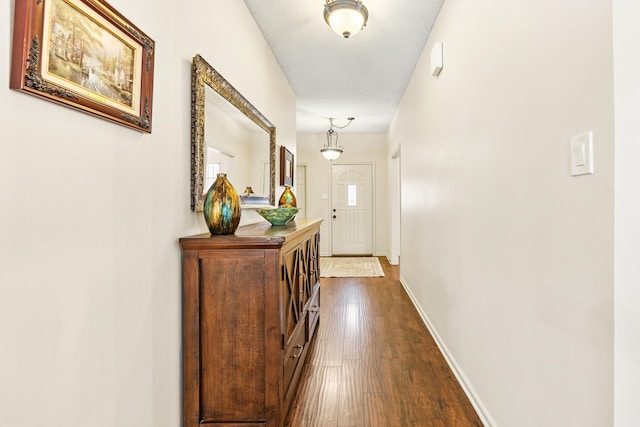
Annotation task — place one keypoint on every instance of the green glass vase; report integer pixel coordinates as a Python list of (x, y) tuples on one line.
[(287, 199), (222, 207)]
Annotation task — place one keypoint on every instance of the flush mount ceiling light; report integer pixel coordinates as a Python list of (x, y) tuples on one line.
[(346, 17), (332, 150)]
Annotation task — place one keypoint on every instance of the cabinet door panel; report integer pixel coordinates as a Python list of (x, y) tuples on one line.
[(314, 259), (232, 340), (291, 293), (309, 269), (305, 283)]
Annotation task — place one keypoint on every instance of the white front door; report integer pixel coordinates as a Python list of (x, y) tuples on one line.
[(352, 209)]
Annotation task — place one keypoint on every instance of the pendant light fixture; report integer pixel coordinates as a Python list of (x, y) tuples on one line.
[(346, 17), (332, 150)]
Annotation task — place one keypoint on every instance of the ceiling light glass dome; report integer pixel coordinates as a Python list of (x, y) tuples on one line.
[(346, 17)]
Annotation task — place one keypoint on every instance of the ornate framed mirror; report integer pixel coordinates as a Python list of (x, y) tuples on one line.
[(229, 135)]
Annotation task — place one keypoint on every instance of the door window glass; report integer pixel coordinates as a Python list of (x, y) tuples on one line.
[(352, 195)]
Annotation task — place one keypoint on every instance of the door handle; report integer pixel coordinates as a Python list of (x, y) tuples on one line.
[(301, 348)]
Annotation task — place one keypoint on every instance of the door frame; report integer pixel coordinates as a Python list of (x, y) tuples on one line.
[(395, 203), (373, 202), (306, 186)]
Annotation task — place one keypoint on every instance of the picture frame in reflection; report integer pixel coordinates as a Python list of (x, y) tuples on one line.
[(286, 167)]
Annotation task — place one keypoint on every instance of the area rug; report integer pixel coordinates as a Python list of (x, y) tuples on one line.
[(350, 267)]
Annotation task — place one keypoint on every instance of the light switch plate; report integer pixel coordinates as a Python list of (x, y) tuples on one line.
[(582, 154), (436, 59)]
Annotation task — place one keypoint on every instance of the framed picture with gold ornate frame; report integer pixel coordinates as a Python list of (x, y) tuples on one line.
[(85, 55), (286, 167)]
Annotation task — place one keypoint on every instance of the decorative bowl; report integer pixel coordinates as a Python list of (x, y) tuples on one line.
[(278, 216)]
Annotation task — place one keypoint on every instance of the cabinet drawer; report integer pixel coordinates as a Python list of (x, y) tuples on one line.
[(313, 313), (293, 355)]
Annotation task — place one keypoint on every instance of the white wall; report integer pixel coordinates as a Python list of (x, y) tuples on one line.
[(90, 214), (627, 208), (358, 148), (509, 257)]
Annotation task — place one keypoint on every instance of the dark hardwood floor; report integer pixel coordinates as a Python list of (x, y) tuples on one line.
[(374, 363)]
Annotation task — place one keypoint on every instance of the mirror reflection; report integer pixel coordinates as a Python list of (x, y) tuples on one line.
[(238, 147), (228, 135)]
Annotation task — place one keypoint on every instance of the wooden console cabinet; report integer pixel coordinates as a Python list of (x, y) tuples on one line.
[(249, 311)]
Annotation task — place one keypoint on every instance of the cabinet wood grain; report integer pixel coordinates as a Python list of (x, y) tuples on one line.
[(250, 308)]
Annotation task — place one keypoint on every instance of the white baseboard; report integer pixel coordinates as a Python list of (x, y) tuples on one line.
[(477, 404)]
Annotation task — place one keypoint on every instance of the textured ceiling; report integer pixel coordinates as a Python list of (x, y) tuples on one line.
[(363, 76)]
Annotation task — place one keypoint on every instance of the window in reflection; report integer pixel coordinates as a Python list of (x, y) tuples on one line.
[(231, 134), (216, 162)]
